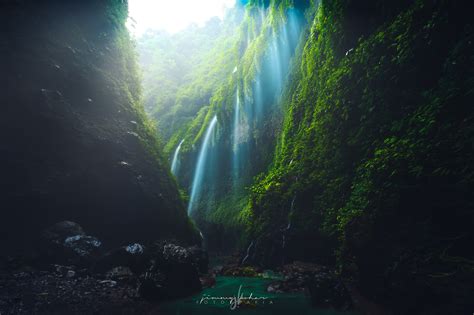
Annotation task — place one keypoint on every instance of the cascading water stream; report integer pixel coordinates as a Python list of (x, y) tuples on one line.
[(236, 137), (276, 64), (199, 172), (258, 99), (247, 256), (175, 162), (288, 227)]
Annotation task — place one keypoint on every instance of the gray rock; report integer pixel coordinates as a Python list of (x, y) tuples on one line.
[(132, 256), (58, 232), (120, 273), (83, 245)]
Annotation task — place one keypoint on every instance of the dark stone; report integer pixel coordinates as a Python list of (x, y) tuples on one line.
[(325, 288), (182, 276), (152, 286), (67, 290), (135, 256), (58, 232), (200, 258), (66, 243), (121, 273), (241, 271), (275, 287), (172, 273), (208, 281), (64, 160), (83, 245)]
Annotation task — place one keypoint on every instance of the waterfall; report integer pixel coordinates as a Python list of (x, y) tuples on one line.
[(203, 241), (248, 253), (276, 65), (236, 137), (258, 99), (294, 26), (288, 227), (285, 47), (199, 172), (175, 163)]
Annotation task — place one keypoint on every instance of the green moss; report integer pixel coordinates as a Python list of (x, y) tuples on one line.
[(365, 138)]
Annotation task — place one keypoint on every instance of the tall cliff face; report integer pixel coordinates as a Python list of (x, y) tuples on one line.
[(239, 78), (374, 168), (75, 143)]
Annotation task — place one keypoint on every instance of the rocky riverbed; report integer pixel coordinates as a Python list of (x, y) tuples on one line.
[(72, 273)]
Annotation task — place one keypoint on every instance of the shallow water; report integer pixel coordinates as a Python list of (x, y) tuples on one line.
[(217, 300)]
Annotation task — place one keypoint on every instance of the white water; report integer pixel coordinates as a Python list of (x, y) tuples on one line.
[(199, 172), (252, 109), (276, 65), (175, 162), (288, 227), (258, 99), (248, 253), (236, 137)]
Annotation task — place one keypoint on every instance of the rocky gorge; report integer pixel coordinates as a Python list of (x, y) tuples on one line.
[(310, 157)]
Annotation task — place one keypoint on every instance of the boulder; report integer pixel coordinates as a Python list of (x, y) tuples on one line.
[(152, 286), (83, 245), (163, 270), (66, 243), (134, 256), (325, 288), (200, 258), (58, 232), (207, 281), (180, 270)]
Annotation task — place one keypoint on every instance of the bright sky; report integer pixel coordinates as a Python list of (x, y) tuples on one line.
[(172, 15)]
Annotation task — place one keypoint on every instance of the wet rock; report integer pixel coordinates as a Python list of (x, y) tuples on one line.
[(56, 291), (133, 256), (83, 245), (217, 270), (180, 270), (175, 253), (135, 249), (200, 258), (241, 271), (207, 281), (66, 243), (109, 283), (324, 286), (152, 286), (61, 270), (121, 273), (71, 274), (327, 290), (58, 232), (275, 287)]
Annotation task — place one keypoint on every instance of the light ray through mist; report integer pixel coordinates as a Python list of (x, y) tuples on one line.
[(173, 16)]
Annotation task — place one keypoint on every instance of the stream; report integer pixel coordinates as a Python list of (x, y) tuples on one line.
[(221, 298)]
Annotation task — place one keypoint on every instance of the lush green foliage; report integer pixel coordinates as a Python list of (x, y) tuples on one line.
[(366, 160), (218, 65), (376, 151), (183, 70)]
